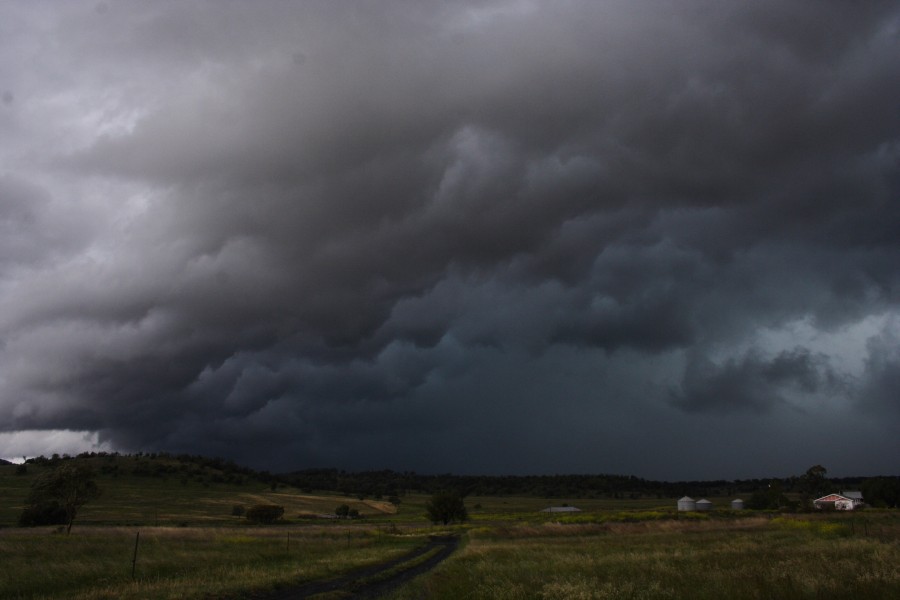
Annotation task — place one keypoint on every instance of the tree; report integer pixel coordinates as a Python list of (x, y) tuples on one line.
[(264, 513), (882, 491), (61, 491), (770, 497), (813, 484), (446, 508)]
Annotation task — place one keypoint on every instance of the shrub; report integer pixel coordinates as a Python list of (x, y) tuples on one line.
[(238, 510), (68, 486), (446, 508), (264, 513), (46, 513)]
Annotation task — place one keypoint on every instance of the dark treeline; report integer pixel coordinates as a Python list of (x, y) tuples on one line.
[(163, 465), (390, 483), (878, 491)]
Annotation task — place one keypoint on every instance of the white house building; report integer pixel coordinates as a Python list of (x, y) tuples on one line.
[(846, 500)]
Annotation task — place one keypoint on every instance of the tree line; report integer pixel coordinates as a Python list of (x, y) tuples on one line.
[(878, 491)]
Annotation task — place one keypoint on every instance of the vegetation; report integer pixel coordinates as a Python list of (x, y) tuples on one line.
[(345, 512), (882, 492), (447, 507), (182, 562), (57, 495), (749, 558), (387, 484), (622, 544), (264, 513)]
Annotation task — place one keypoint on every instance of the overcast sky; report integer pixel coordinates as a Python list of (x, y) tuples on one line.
[(640, 237)]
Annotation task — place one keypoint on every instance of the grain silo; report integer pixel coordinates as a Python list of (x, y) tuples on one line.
[(704, 504), (737, 504), (686, 504)]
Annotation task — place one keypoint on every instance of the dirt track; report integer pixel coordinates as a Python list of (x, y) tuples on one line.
[(355, 583)]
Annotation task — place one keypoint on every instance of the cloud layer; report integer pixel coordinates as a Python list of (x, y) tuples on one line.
[(478, 237)]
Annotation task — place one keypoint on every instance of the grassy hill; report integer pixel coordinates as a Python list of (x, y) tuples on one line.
[(623, 546), (165, 490), (183, 490)]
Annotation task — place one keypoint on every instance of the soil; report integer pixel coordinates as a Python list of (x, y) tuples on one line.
[(359, 584)]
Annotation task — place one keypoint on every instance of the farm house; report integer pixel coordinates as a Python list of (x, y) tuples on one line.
[(847, 500)]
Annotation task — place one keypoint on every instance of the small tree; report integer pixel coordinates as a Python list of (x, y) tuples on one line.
[(769, 498), (812, 484), (63, 490), (264, 513), (342, 511), (446, 508)]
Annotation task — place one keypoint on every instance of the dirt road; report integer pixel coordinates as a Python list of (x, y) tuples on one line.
[(375, 581)]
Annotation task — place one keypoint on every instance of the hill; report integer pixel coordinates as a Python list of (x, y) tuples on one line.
[(165, 489)]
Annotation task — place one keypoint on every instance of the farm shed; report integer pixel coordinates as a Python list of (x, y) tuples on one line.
[(847, 500), (687, 504), (561, 509), (704, 504)]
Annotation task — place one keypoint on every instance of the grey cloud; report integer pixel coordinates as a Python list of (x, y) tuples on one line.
[(33, 228), (750, 383), (326, 226), (878, 395)]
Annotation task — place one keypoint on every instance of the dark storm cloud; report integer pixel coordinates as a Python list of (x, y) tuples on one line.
[(340, 233), (751, 383)]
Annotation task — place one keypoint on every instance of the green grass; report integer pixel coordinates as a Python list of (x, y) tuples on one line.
[(754, 558), (192, 547), (189, 496), (95, 562)]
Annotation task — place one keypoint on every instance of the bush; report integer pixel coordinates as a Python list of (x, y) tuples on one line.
[(264, 513), (238, 510), (446, 508), (47, 513), (67, 487)]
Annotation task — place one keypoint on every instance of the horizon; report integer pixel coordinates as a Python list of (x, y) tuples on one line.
[(496, 235)]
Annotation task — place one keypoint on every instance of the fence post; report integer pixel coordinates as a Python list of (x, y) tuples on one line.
[(137, 539)]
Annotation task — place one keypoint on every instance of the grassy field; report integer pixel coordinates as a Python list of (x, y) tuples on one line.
[(192, 547), (755, 558), (96, 562), (189, 498)]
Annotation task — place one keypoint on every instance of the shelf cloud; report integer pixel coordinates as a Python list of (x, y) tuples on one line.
[(479, 237)]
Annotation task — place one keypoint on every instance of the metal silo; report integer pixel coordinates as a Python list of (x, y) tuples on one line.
[(737, 504), (686, 504), (704, 504)]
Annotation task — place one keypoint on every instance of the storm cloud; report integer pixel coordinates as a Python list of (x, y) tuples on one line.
[(511, 236)]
